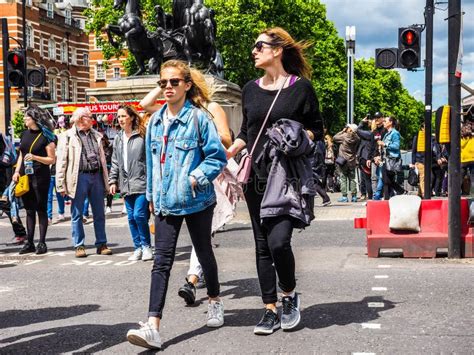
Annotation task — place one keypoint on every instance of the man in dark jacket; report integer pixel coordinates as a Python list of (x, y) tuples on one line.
[(365, 153)]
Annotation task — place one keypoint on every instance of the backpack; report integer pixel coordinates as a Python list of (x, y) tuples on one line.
[(9, 155)]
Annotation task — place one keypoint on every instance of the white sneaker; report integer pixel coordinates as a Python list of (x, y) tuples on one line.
[(147, 254), (108, 210), (61, 218), (137, 255), (146, 336), (215, 314), (124, 209)]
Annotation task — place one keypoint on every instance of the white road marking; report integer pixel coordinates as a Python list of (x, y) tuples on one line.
[(77, 262), (101, 262), (370, 326), (363, 354), (376, 304), (33, 262), (381, 277), (126, 262), (5, 289), (379, 289), (384, 266)]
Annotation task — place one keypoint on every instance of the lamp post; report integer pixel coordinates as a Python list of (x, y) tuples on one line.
[(350, 51)]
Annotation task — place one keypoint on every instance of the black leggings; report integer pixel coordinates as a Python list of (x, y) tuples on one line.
[(166, 236), (35, 201), (390, 184), (274, 255)]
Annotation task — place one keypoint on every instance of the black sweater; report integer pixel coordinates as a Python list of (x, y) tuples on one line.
[(297, 102)]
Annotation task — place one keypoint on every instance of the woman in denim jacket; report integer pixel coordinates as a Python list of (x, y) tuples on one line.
[(391, 145), (184, 155)]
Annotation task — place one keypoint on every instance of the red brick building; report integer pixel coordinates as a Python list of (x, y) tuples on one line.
[(56, 42)]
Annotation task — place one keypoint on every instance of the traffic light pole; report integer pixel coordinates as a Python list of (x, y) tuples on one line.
[(454, 165), (6, 87), (429, 13), (25, 48)]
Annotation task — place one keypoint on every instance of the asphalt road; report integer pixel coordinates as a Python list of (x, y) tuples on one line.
[(350, 303)]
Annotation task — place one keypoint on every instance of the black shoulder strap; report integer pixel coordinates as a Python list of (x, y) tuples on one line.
[(196, 126)]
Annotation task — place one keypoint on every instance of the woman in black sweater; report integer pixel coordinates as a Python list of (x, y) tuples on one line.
[(281, 57), (37, 151)]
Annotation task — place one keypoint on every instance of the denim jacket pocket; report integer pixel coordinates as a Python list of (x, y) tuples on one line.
[(186, 150)]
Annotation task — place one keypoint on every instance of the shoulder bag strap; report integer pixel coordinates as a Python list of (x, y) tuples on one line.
[(36, 139), (268, 115)]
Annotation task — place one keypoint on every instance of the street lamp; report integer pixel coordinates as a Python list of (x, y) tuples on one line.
[(350, 51)]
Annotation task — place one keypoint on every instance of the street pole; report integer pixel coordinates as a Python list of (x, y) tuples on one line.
[(350, 51), (25, 49), (454, 167), (429, 13), (6, 86)]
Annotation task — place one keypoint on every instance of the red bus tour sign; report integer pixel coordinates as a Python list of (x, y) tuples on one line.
[(101, 107)]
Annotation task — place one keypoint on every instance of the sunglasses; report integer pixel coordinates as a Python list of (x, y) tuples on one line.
[(259, 45), (174, 82)]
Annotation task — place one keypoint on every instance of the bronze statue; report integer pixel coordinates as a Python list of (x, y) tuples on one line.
[(189, 33)]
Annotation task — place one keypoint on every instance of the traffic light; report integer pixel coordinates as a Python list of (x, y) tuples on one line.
[(36, 77), (386, 58), (16, 68), (409, 45)]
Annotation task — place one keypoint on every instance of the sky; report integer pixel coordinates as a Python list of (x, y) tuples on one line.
[(377, 23)]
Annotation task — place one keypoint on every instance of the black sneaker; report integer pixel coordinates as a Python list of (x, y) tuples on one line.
[(27, 248), (41, 248), (290, 315), (188, 292), (268, 324)]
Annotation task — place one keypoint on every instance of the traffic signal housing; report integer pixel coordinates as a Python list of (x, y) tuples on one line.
[(16, 68), (386, 58), (409, 47)]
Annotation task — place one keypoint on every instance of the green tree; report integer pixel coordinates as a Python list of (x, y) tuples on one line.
[(17, 123)]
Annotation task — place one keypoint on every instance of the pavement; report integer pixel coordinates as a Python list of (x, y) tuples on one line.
[(351, 304)]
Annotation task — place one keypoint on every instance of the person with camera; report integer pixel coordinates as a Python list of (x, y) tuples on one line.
[(348, 141), (81, 172), (365, 154)]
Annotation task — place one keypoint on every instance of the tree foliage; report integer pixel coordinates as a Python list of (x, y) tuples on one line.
[(240, 21), (17, 123)]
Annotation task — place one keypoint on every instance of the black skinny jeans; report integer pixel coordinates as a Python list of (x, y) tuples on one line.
[(390, 184), (166, 236), (366, 181), (273, 245)]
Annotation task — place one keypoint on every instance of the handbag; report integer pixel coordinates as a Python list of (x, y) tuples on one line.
[(245, 165), (23, 185), (341, 161), (393, 164), (413, 178)]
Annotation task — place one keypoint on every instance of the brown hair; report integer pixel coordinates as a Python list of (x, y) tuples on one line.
[(199, 94), (293, 59), (138, 123)]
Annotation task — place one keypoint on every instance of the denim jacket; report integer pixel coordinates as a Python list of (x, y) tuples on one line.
[(392, 143), (188, 153)]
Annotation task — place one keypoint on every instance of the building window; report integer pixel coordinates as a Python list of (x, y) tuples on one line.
[(52, 89), (68, 18), (64, 52), (29, 3), (29, 36), (41, 40), (52, 49), (99, 72), (65, 90), (74, 90), (73, 56), (85, 59), (116, 73), (50, 12)]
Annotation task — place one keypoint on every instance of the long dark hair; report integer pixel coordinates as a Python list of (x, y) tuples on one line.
[(138, 122), (43, 119), (293, 58)]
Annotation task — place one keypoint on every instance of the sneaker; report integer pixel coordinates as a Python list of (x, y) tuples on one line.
[(19, 240), (146, 336), (325, 204), (81, 252), (124, 209), (85, 219), (268, 324), (104, 250), (188, 293), (362, 198), (343, 199), (27, 248), (147, 254), (15, 221), (60, 218), (290, 315), (137, 255), (108, 210), (41, 248), (354, 199), (215, 314)]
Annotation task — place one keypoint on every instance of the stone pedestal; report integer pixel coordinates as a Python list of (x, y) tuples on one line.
[(227, 94)]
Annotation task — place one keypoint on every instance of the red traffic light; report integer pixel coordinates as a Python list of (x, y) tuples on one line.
[(16, 60), (409, 37)]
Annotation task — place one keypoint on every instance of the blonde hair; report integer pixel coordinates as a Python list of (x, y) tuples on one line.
[(293, 58), (200, 94)]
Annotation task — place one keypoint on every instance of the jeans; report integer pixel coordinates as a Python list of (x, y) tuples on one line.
[(59, 198), (166, 236), (379, 187), (138, 215), (274, 255), (348, 182), (390, 184), (85, 210), (92, 187)]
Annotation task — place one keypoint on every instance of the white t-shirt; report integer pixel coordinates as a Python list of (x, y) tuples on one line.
[(125, 152)]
